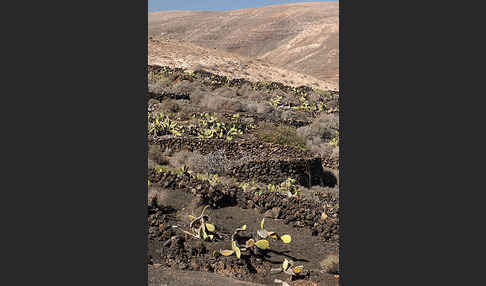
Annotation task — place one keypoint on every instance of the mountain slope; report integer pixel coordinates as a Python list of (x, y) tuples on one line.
[(303, 37), (164, 52)]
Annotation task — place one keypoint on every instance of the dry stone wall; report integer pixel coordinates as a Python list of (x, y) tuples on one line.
[(266, 162)]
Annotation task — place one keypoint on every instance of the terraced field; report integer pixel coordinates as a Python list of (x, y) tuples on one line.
[(243, 181)]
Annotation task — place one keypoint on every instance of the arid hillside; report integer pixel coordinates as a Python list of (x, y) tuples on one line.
[(174, 53), (303, 37), (243, 181)]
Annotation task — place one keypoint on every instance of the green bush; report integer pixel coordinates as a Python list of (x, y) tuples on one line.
[(282, 135)]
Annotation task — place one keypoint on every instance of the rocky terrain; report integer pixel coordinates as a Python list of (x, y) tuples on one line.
[(243, 180), (298, 37)]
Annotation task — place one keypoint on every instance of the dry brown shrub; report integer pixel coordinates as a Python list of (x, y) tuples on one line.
[(281, 134), (331, 264)]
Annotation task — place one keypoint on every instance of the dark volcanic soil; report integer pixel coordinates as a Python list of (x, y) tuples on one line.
[(186, 253), (177, 258), (161, 277)]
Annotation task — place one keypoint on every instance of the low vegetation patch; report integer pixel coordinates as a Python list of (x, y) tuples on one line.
[(288, 187), (201, 125), (281, 134)]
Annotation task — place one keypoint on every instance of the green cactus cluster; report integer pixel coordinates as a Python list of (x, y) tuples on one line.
[(246, 186), (210, 126), (288, 187), (206, 126), (179, 172), (250, 246), (334, 141), (161, 124), (200, 226), (304, 105), (276, 101)]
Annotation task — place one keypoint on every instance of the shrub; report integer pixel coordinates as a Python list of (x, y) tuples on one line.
[(322, 136), (158, 87), (326, 150), (171, 106), (156, 197), (324, 128), (212, 163), (182, 158), (217, 162), (185, 87), (258, 107), (282, 135), (215, 101), (330, 264), (155, 153)]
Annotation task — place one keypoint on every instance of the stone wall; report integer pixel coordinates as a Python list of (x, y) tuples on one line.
[(277, 171), (266, 162), (233, 149)]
